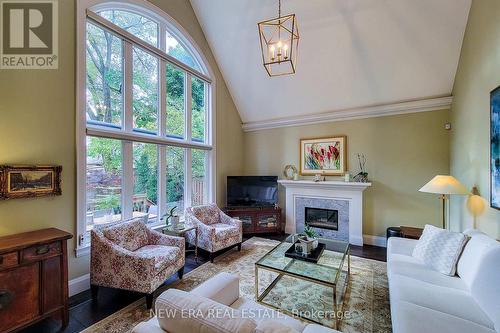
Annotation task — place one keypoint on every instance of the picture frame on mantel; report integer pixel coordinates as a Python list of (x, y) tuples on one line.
[(29, 181), (326, 156), (495, 148)]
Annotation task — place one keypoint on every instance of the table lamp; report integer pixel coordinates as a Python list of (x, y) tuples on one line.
[(444, 186)]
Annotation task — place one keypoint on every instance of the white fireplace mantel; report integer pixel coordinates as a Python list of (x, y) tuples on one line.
[(335, 190)]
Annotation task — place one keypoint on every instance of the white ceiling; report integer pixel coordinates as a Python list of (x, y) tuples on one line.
[(352, 53)]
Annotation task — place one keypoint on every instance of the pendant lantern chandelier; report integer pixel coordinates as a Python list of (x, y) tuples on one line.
[(279, 41)]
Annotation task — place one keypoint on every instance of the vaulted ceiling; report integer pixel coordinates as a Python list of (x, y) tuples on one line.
[(352, 53)]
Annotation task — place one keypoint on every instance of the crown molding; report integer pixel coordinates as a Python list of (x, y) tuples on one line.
[(381, 110)]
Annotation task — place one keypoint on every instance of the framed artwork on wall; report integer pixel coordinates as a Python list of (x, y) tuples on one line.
[(23, 181), (325, 156), (495, 148)]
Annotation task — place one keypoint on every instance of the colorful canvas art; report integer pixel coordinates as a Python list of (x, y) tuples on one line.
[(495, 149), (325, 156)]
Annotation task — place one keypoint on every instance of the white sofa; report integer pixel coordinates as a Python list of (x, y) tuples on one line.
[(221, 292), (424, 300)]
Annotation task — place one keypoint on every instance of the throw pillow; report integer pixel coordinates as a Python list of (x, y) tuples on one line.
[(440, 249)]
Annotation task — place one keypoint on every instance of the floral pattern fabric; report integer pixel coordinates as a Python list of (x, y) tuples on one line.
[(142, 270), (216, 230), (209, 214), (129, 235)]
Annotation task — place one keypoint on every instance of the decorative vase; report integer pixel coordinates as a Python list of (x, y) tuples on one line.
[(307, 245), (174, 220)]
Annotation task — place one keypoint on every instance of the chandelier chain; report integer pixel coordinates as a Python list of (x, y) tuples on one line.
[(279, 8)]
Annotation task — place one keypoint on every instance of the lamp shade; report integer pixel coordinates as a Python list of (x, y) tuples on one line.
[(444, 185)]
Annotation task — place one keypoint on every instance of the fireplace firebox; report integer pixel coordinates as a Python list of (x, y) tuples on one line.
[(322, 218)]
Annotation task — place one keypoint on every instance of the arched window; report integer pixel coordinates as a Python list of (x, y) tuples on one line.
[(144, 116)]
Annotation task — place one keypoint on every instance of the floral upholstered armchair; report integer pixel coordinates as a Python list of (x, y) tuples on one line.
[(216, 230), (131, 256)]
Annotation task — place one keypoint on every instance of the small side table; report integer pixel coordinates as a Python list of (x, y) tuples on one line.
[(411, 232), (181, 232)]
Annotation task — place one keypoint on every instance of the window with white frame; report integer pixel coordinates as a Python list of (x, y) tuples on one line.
[(145, 124)]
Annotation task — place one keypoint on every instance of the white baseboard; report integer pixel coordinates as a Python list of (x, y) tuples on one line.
[(375, 240), (79, 284)]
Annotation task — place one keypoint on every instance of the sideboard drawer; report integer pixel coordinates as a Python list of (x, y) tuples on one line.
[(39, 252), (8, 260)]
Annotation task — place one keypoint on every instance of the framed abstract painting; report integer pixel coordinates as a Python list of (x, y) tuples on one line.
[(495, 148), (325, 156)]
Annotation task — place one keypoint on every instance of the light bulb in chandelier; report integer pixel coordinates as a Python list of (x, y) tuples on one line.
[(285, 50), (271, 52), (280, 52)]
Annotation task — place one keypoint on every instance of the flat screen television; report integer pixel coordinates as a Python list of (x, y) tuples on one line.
[(252, 191)]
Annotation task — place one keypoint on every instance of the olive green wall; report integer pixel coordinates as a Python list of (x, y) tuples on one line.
[(478, 73), (403, 152), (37, 125)]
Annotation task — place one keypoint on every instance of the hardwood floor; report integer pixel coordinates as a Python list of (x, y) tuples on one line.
[(84, 312)]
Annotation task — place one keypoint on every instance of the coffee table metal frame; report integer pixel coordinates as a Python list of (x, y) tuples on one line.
[(283, 272)]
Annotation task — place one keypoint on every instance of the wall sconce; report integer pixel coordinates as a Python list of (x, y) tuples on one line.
[(476, 204)]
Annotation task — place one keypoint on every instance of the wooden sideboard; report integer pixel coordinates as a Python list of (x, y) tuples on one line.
[(258, 220), (33, 278)]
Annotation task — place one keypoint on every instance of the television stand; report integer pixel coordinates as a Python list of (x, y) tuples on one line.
[(257, 220)]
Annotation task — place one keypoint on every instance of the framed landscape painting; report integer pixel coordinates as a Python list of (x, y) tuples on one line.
[(495, 148), (325, 156), (21, 181)]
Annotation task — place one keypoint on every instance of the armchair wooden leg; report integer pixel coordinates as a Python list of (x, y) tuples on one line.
[(239, 246), (149, 301), (93, 291), (180, 273)]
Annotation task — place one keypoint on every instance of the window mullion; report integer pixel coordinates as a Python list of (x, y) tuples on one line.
[(127, 179), (162, 152), (128, 72), (188, 101), (188, 157), (128, 125), (162, 181), (188, 170)]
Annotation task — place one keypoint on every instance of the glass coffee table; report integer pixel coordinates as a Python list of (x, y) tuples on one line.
[(312, 291)]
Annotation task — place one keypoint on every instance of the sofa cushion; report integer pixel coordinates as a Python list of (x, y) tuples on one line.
[(412, 267), (162, 254), (225, 231), (468, 264), (412, 318), (440, 249), (130, 235), (458, 303), (260, 312), (486, 286), (180, 312), (273, 326), (223, 288), (397, 245)]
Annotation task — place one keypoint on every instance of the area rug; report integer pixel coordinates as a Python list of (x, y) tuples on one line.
[(366, 299)]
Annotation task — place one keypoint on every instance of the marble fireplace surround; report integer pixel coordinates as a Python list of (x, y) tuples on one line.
[(332, 190)]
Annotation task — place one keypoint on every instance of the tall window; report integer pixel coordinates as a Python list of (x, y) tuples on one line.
[(146, 138)]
